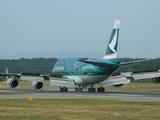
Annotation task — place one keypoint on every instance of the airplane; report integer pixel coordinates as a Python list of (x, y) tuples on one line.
[(81, 74)]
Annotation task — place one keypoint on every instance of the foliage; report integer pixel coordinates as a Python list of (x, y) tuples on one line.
[(45, 65), (143, 66), (35, 65)]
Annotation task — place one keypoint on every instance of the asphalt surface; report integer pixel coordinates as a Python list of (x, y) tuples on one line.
[(18, 93)]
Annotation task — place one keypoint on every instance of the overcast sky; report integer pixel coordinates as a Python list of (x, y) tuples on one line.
[(78, 28)]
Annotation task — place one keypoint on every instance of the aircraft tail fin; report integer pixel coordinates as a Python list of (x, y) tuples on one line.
[(111, 51)]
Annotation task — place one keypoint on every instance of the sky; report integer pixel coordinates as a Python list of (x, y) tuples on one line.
[(78, 28)]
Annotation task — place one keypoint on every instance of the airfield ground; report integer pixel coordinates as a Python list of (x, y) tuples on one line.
[(80, 109)]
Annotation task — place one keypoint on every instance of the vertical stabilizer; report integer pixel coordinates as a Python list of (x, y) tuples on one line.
[(111, 51)]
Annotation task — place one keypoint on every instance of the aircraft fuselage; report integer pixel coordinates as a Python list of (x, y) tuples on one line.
[(83, 73)]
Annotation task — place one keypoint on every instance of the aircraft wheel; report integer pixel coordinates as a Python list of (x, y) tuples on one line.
[(61, 90), (100, 89), (91, 90), (78, 89), (64, 89), (81, 89)]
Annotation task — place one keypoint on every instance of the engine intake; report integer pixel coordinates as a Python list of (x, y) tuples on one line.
[(155, 80), (12, 83), (37, 85)]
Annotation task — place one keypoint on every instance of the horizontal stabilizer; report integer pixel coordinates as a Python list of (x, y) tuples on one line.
[(137, 61), (99, 63)]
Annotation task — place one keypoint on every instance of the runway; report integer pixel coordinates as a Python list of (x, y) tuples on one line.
[(54, 93)]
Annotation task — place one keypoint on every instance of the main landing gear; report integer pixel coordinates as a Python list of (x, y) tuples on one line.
[(78, 89), (101, 89), (64, 89), (91, 89)]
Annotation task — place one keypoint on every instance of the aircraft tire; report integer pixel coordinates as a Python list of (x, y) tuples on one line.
[(61, 90), (91, 90), (64, 89), (81, 89), (100, 90), (78, 89)]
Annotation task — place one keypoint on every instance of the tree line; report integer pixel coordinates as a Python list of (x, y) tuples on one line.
[(45, 65), (35, 65)]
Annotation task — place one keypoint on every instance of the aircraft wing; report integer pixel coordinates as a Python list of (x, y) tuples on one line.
[(114, 80), (125, 77), (27, 77), (55, 80), (10, 74), (141, 74), (38, 79)]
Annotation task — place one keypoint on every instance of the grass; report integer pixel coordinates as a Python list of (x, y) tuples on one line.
[(78, 109)]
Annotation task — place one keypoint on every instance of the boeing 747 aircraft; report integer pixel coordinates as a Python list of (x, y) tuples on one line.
[(81, 74)]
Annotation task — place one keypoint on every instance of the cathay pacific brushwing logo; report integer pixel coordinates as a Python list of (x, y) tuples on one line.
[(113, 43)]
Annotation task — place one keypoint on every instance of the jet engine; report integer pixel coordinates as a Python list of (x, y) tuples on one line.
[(119, 85), (155, 80), (37, 85), (12, 83)]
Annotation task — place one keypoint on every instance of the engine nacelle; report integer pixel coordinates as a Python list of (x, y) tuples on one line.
[(37, 85), (119, 85), (155, 80), (12, 83)]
